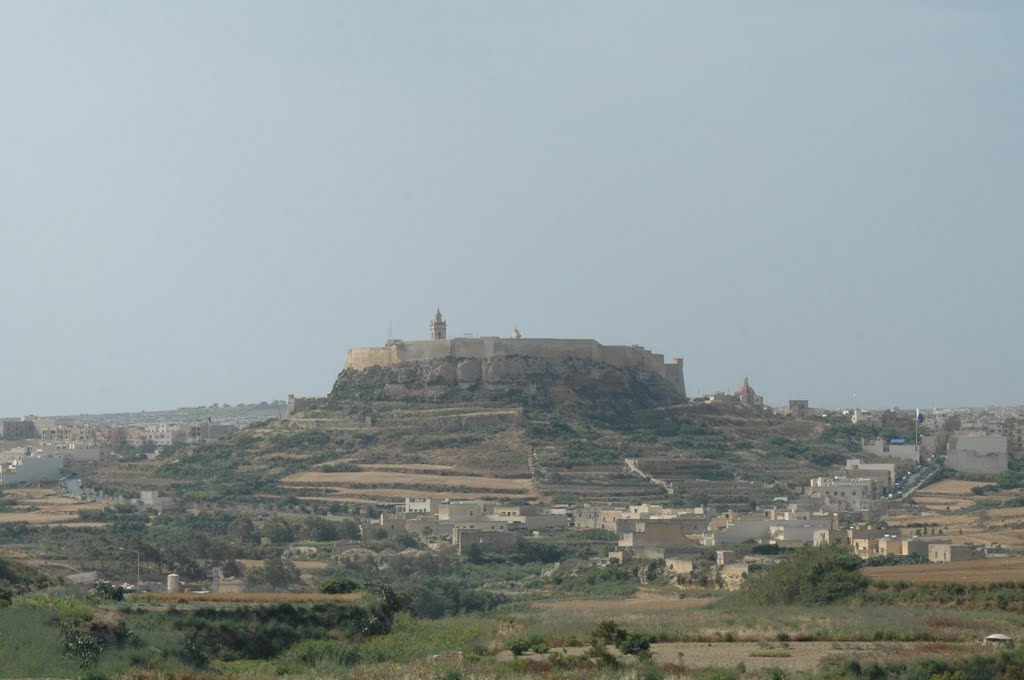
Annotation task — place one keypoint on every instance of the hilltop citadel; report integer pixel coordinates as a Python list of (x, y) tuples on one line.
[(472, 353)]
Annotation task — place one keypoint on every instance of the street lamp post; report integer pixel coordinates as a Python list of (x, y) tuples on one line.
[(138, 563)]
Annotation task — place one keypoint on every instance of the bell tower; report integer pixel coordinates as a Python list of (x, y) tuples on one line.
[(438, 328)]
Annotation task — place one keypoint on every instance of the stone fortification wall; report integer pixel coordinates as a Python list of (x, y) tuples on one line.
[(297, 404), (620, 356), (603, 390)]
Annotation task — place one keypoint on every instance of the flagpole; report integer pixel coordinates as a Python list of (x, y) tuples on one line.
[(917, 435)]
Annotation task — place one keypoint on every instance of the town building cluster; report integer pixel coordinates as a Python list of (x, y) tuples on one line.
[(492, 527), (42, 449)]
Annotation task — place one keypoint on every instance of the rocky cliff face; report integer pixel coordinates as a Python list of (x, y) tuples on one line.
[(562, 384)]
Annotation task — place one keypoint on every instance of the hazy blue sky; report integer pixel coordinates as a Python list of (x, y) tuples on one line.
[(210, 201)]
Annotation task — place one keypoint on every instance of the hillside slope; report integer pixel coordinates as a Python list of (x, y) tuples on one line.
[(519, 430)]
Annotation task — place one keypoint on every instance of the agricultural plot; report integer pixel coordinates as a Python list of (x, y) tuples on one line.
[(954, 494), (382, 482), (46, 505), (241, 598), (973, 571), (620, 606), (952, 510), (397, 479), (795, 656), (343, 495)]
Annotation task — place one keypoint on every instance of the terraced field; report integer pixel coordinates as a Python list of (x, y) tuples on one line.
[(947, 495), (395, 482), (951, 509), (46, 505)]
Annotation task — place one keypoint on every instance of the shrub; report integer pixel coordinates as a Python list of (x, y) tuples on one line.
[(532, 643), (609, 633), (811, 575), (518, 646), (261, 632), (323, 652), (635, 643), (108, 591), (450, 674), (339, 585), (79, 646), (894, 560), (601, 655)]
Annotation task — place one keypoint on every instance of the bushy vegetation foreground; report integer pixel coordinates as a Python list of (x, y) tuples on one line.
[(814, 597)]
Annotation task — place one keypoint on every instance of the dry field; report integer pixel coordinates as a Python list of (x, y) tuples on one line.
[(418, 467), (243, 597), (952, 487), (974, 571), (955, 494), (53, 507), (794, 656), (625, 605), (397, 479), (1004, 526), (802, 655), (383, 481), (949, 509), (344, 495)]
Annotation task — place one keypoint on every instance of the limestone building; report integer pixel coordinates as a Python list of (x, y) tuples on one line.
[(18, 429), (471, 352), (977, 453), (38, 467)]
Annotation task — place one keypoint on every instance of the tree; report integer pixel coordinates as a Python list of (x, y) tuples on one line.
[(319, 529), (108, 591), (278, 530), (635, 643), (281, 573), (275, 574), (811, 575), (474, 554), (243, 531), (382, 603), (231, 569), (348, 529), (404, 541)]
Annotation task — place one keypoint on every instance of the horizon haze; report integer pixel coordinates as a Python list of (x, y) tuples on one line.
[(212, 202)]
